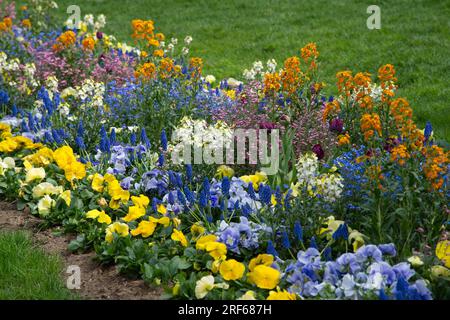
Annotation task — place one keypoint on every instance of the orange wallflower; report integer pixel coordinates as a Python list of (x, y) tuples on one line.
[(65, 40), (88, 43), (271, 83), (158, 53), (343, 139), (166, 68), (310, 52), (196, 65), (345, 82), (436, 165), (386, 74), (331, 108), (290, 75), (370, 123), (400, 154), (26, 23), (146, 71)]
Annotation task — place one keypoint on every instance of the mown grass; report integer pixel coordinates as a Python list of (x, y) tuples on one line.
[(230, 35), (26, 272)]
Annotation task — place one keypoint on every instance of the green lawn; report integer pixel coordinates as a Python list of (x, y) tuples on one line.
[(230, 35), (26, 272)]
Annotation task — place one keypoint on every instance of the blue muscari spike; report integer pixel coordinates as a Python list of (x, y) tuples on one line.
[(102, 131), (31, 122), (181, 197), (112, 137), (14, 110), (171, 198), (189, 172), (246, 210), (144, 139), (80, 143), (226, 186), (313, 243), (4, 97), (133, 138), (179, 183), (278, 196), (209, 218), (164, 140), (80, 129), (48, 138), (251, 191), (56, 100), (222, 205), (172, 179), (189, 195), (428, 130), (327, 254), (202, 201), (206, 185), (341, 232), (285, 240), (271, 249), (161, 160), (298, 231), (155, 203), (265, 194), (236, 205), (287, 199), (56, 137)]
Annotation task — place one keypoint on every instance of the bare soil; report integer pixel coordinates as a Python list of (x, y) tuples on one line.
[(98, 282)]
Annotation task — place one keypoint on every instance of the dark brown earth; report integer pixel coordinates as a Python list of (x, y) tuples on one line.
[(97, 281)]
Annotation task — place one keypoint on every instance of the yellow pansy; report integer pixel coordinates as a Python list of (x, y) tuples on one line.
[(141, 201), (224, 171), (34, 174), (249, 295), (440, 271), (176, 222), (264, 277), (262, 259), (281, 295), (201, 243), (179, 237), (161, 209), (101, 216), (217, 250), (145, 229), (165, 221), (357, 238), (121, 229), (66, 196), (197, 229), (415, 261), (45, 205), (231, 270), (134, 212), (42, 157), (443, 252), (46, 188), (97, 182)]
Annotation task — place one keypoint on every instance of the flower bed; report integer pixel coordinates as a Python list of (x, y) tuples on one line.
[(356, 210)]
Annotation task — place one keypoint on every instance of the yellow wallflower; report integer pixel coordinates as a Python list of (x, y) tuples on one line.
[(134, 212), (145, 229), (264, 277), (231, 270), (179, 237), (262, 259)]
